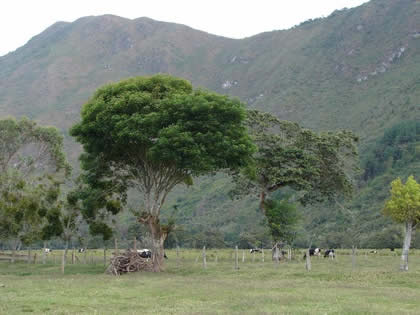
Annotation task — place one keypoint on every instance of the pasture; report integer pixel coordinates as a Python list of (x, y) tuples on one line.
[(373, 285)]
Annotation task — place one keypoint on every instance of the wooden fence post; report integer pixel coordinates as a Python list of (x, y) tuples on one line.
[(35, 256), (177, 255), (243, 256), (63, 262), (236, 257), (277, 255), (135, 244), (262, 254), (44, 254), (104, 255), (216, 259), (308, 261), (72, 256), (204, 258), (29, 255), (353, 257)]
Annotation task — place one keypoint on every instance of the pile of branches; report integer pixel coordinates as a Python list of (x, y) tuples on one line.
[(129, 262)]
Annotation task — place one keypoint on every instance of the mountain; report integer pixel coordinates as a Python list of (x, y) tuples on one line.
[(356, 69)]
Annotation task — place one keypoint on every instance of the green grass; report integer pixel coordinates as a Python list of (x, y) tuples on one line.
[(332, 287)]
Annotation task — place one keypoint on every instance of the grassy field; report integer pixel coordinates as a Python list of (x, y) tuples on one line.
[(374, 286)]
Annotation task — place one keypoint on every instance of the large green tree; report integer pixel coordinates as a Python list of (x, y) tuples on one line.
[(404, 207), (152, 133), (25, 207), (32, 165), (316, 166)]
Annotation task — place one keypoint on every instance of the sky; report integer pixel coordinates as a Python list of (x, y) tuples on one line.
[(20, 20)]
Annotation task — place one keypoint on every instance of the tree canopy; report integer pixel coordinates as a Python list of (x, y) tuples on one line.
[(318, 166), (153, 133), (404, 204), (32, 167), (29, 148)]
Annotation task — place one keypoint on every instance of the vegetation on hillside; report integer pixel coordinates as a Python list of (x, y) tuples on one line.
[(356, 69)]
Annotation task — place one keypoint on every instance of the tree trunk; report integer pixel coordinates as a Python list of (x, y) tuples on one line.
[(263, 195), (64, 258), (158, 238), (66, 249), (406, 246), (275, 253)]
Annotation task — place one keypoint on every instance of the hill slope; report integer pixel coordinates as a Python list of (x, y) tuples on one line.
[(357, 69)]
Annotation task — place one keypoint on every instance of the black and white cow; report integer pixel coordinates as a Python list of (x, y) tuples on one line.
[(313, 252), (254, 250), (145, 253), (81, 250), (329, 253), (47, 250), (373, 251)]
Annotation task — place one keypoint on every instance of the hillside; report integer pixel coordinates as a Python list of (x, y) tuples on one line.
[(356, 69)]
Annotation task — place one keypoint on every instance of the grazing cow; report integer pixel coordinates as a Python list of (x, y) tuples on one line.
[(254, 250), (373, 251), (392, 249), (329, 253), (47, 250), (145, 253), (81, 250), (313, 252)]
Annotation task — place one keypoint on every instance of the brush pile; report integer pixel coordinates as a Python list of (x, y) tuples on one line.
[(129, 262)]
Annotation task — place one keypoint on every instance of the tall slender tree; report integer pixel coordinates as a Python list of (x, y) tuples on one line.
[(404, 207)]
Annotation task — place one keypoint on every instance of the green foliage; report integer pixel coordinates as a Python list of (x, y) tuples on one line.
[(164, 121), (395, 150), (30, 148), (32, 164), (275, 72), (26, 208), (390, 237), (100, 228), (404, 204), (152, 133), (282, 217), (317, 165)]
